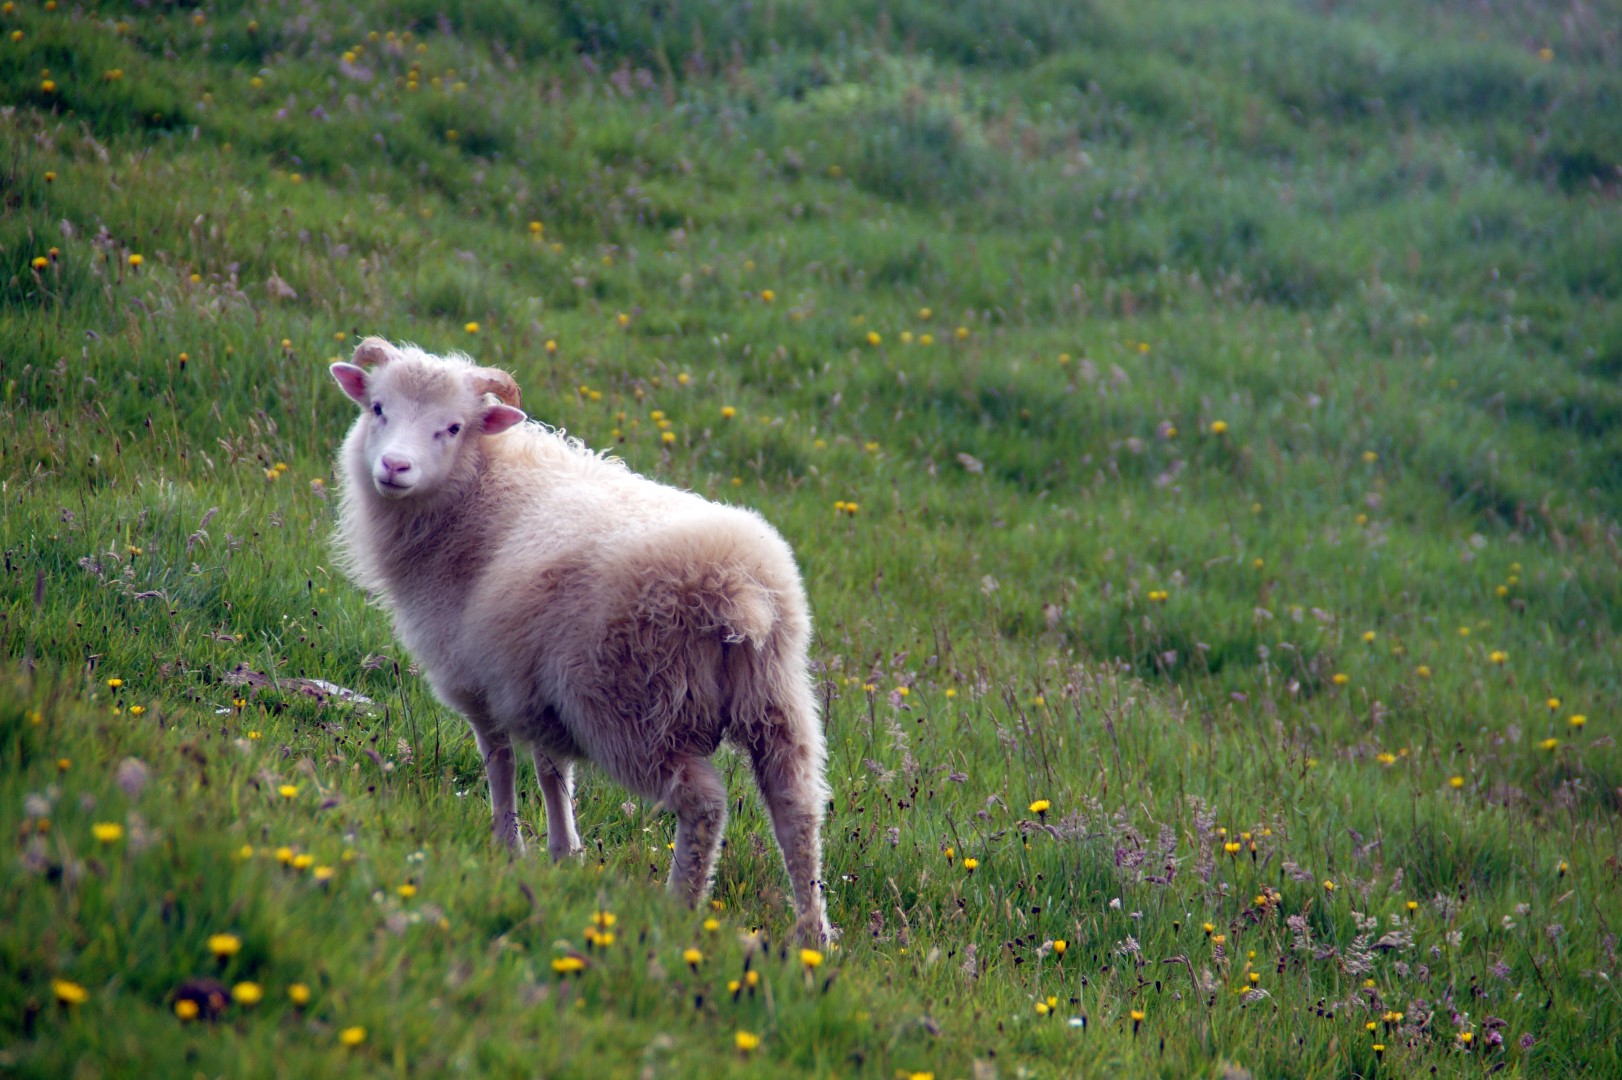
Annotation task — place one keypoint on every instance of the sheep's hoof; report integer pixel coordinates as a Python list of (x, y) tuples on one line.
[(814, 930)]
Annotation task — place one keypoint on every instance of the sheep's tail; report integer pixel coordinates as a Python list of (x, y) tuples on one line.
[(743, 609)]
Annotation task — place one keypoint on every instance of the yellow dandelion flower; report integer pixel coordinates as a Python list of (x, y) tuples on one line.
[(298, 994), (1549, 744), (40, 262), (288, 791), (1497, 656), (224, 945), (1341, 678), (1577, 720), (874, 338), (1329, 886), (136, 261), (1041, 806), (692, 958), (1219, 427), (69, 992), (107, 832), (711, 925), (568, 965), (1059, 947), (186, 1009), (471, 327), (1423, 671), (1455, 782), (247, 993), (406, 890), (746, 1041), (971, 864), (810, 958), (961, 333), (352, 1036), (767, 296)]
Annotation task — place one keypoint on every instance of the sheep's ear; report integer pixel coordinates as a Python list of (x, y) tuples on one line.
[(498, 418), (352, 381), (372, 351)]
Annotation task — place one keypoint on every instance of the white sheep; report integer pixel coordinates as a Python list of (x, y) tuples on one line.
[(560, 601)]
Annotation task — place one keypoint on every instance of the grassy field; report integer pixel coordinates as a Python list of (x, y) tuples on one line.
[(1200, 425)]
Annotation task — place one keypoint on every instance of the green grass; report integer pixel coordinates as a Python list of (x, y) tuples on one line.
[(1228, 396)]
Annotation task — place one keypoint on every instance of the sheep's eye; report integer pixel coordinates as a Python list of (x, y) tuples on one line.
[(377, 408), (454, 428)]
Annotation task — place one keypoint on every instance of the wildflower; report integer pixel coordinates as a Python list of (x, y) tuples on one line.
[(1138, 1016), (114, 684), (1042, 1008), (623, 319), (137, 710), (971, 864), (961, 333), (925, 314), (1455, 782), (1370, 457), (471, 327), (1577, 720), (1209, 929), (1379, 1049), (810, 958), (1040, 807), (40, 262), (48, 85), (186, 1009), (926, 340), (1232, 847), (1059, 947), (352, 1036), (712, 925), (1553, 704), (224, 945), (107, 832), (406, 890), (568, 965), (1423, 671), (1561, 872), (1466, 1037), (1341, 678), (874, 339), (767, 296), (136, 261), (728, 412), (951, 853), (1497, 656), (1549, 744), (68, 992), (692, 958), (745, 1041), (299, 994), (1413, 906), (288, 791), (1329, 886), (1219, 427), (951, 692), (247, 993)]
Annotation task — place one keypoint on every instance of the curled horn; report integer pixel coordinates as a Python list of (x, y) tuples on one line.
[(499, 383), (373, 352)]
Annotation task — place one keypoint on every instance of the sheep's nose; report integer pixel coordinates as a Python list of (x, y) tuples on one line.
[(394, 465)]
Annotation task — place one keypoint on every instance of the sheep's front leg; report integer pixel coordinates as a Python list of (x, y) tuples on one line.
[(557, 790), (699, 798), (499, 768)]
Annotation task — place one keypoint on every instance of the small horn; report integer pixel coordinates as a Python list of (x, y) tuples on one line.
[(499, 383), (373, 352)]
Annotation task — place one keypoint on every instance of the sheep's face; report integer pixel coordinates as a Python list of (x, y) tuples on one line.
[(420, 415)]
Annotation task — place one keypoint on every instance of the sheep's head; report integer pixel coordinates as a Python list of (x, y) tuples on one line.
[(422, 413)]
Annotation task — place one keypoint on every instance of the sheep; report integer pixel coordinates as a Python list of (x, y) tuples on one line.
[(560, 601)]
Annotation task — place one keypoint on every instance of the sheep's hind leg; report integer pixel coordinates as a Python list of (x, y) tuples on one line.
[(792, 788), (699, 798), (497, 750), (557, 790)]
